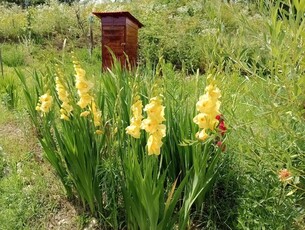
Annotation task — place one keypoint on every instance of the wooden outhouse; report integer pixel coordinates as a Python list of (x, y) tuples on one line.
[(119, 34)]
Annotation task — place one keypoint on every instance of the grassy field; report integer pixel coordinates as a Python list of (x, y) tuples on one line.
[(254, 57)]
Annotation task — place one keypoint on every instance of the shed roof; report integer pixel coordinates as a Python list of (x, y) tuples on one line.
[(118, 14)]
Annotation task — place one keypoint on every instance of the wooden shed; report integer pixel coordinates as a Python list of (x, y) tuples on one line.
[(119, 34)]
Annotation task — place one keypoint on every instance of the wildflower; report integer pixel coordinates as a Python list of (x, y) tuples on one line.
[(135, 122), (284, 175), (208, 107), (153, 125), (45, 103)]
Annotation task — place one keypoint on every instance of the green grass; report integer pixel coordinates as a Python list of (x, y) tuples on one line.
[(30, 195)]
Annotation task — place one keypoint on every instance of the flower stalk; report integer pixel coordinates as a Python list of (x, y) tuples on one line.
[(153, 125), (208, 107)]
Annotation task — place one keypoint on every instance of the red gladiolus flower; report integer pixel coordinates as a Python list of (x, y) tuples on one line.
[(222, 127), (218, 117)]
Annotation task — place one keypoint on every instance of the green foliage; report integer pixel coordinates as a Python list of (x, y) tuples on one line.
[(9, 92), (144, 194), (78, 155)]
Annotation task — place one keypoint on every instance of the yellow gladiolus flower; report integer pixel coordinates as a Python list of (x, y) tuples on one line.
[(136, 109), (201, 120), (63, 95), (80, 73), (67, 107), (135, 122), (84, 101), (64, 117), (96, 115), (149, 125), (37, 107), (45, 103), (208, 106), (85, 113), (154, 145), (99, 132), (160, 132), (213, 92), (202, 135), (83, 86), (97, 118), (153, 125), (155, 109), (134, 131)]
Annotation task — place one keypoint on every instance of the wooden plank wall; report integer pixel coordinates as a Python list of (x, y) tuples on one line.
[(131, 41), (120, 34)]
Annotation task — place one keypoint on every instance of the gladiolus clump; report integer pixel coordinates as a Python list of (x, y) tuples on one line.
[(208, 107)]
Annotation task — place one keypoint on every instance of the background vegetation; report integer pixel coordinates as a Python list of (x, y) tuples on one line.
[(257, 57)]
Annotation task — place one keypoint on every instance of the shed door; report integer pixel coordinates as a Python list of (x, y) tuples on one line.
[(114, 38)]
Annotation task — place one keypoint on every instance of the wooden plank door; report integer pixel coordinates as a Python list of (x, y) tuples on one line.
[(113, 37)]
